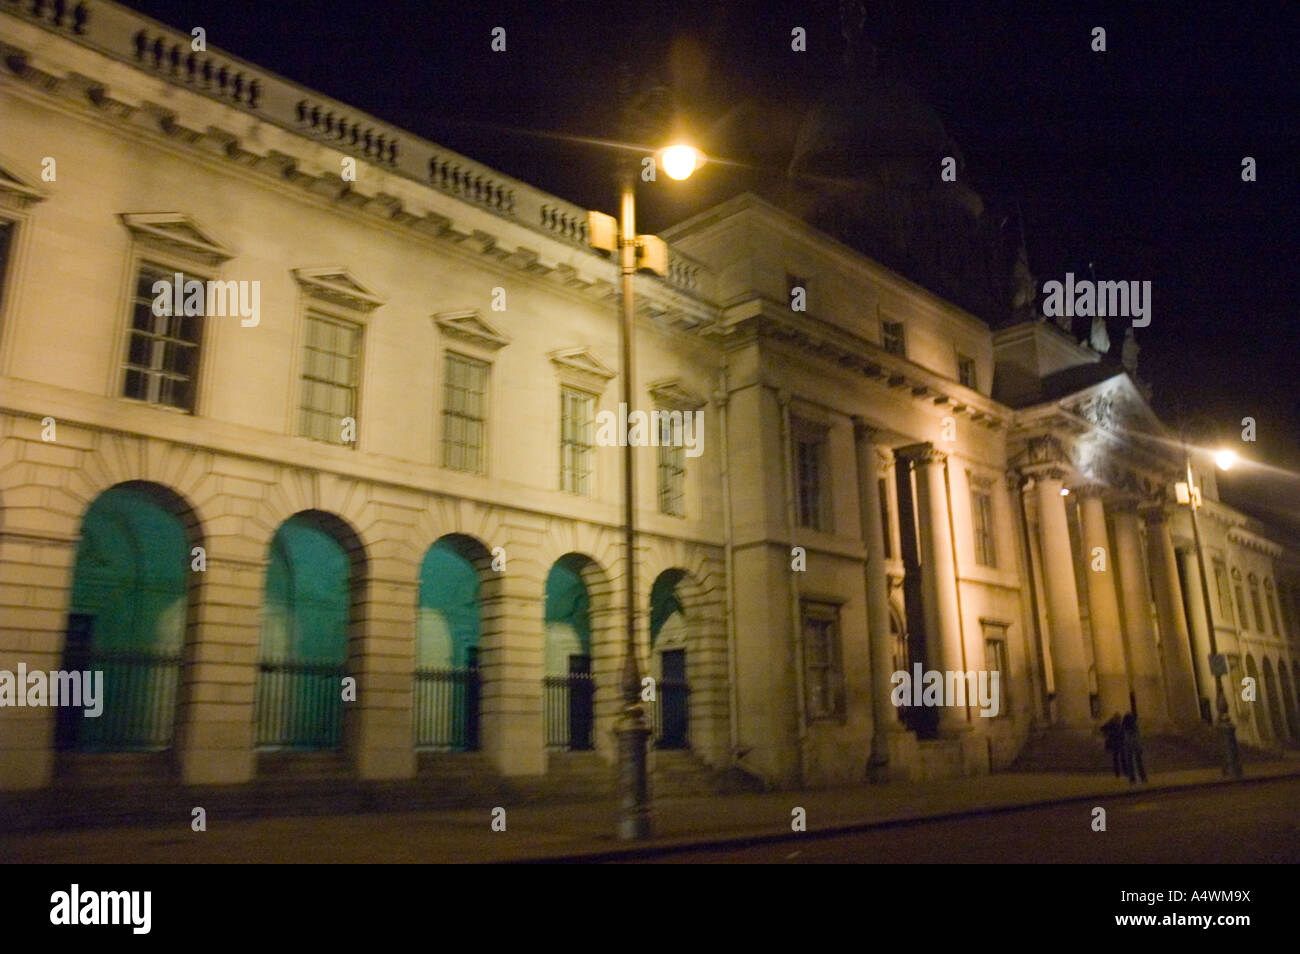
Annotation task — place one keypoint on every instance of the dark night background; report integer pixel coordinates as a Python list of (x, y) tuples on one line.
[(1129, 160)]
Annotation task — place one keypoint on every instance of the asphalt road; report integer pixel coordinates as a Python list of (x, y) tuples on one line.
[(1236, 824)]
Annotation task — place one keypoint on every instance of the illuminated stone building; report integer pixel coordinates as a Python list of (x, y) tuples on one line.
[(368, 526)]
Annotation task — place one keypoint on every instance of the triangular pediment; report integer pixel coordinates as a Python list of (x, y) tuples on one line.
[(672, 394), (337, 286), (581, 367), (1115, 405), (176, 232), (15, 191), (469, 326)]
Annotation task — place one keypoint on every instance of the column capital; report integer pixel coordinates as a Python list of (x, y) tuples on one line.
[(922, 454)]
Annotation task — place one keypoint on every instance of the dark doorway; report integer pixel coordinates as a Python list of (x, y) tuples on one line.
[(673, 726), (581, 703)]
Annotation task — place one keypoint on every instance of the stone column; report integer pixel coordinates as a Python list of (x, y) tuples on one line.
[(939, 576), (872, 465), (1175, 650), (1103, 606), (1069, 664), (381, 651), (1202, 680), (1143, 655), (214, 731), (510, 663)]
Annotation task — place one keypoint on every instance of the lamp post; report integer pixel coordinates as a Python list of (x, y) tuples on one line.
[(1231, 755), (632, 729)]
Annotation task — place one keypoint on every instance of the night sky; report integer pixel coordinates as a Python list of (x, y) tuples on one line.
[(1128, 161)]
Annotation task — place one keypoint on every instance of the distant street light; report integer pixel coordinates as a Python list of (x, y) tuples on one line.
[(679, 161), (1225, 459)]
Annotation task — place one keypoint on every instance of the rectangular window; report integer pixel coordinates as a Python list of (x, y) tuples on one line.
[(162, 359), (995, 660), (966, 370), (1272, 612), (6, 243), (821, 658), (809, 442), (886, 528), (1241, 608), (981, 505), (331, 369), (891, 333), (577, 418), (464, 413), (672, 474)]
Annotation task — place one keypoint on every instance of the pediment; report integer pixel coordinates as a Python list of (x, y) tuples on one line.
[(16, 192), (1117, 406), (672, 394), (176, 232), (581, 367), (337, 286), (469, 326)]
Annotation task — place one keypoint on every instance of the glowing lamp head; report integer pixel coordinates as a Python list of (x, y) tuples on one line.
[(1065, 491), (679, 161), (1225, 459)]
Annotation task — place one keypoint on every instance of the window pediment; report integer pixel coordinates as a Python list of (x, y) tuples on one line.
[(672, 394), (582, 369), (337, 286), (176, 232), (17, 193), (469, 327)]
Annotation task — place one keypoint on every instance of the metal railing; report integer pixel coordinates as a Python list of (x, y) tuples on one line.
[(139, 703), (568, 710), (446, 709), (299, 705)]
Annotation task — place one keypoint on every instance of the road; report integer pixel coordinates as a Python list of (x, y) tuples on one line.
[(1236, 824)]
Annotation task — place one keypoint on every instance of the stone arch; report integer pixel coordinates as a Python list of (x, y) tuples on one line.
[(672, 649), (579, 653), (1288, 699), (458, 609), (133, 615), (1273, 701), (310, 632)]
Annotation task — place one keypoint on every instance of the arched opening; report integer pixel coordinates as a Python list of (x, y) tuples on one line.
[(449, 631), (1273, 702), (1288, 699), (668, 647), (1260, 718), (128, 617), (314, 564), (569, 687)]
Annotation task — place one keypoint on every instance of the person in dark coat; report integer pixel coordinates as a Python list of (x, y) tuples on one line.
[(1132, 742), (1113, 730)]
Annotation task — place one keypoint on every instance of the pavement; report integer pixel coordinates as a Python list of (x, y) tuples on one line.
[(585, 831)]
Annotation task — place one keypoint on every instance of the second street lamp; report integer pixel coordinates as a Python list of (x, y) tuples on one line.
[(632, 729)]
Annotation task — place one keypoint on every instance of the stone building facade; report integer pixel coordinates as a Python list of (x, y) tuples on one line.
[(375, 517)]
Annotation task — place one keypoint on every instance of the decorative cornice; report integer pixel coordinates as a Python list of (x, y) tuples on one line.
[(337, 286), (469, 327), (922, 454)]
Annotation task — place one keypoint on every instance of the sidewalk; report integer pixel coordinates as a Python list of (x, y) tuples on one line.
[(583, 831)]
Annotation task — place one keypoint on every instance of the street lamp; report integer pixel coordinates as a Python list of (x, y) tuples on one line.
[(678, 162), (1218, 665)]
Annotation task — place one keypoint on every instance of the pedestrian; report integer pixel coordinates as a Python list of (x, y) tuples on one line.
[(1133, 748), (1113, 730)]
